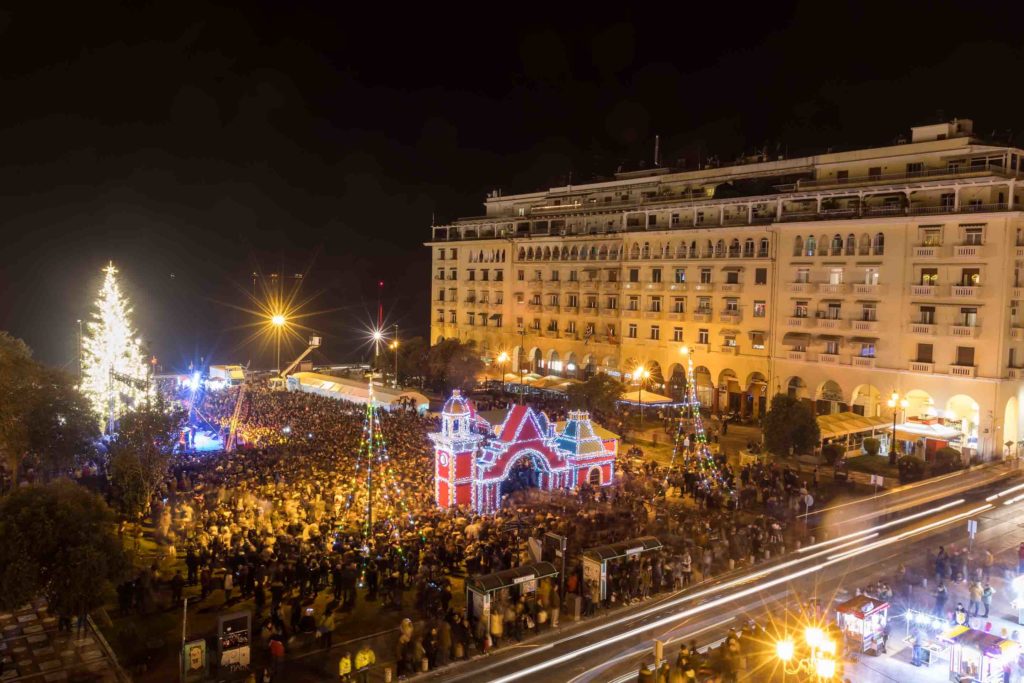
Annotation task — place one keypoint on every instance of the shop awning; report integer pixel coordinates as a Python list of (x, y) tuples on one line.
[(623, 549), (862, 606), (644, 396), (840, 424), (864, 340), (912, 431), (987, 643), (829, 338), (511, 577), (495, 316), (728, 331), (796, 339)]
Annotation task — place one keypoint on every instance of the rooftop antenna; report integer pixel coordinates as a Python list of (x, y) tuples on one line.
[(657, 146)]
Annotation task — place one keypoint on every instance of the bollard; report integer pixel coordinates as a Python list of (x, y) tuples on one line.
[(732, 564), (387, 674)]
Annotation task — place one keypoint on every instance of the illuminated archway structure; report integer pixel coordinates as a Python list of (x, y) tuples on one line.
[(472, 458)]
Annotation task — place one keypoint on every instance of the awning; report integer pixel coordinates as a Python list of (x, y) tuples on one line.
[(495, 316), (864, 340), (862, 606), (987, 643), (733, 269), (728, 331), (840, 424), (796, 338), (828, 338), (511, 577), (912, 431), (751, 333), (644, 396), (623, 549)]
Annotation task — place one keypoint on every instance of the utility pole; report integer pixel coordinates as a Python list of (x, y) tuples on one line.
[(396, 355)]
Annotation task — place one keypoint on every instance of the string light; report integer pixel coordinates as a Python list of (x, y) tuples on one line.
[(707, 467)]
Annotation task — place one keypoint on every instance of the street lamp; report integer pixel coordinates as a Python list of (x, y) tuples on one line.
[(894, 402), (820, 661), (502, 361), (278, 321), (641, 373), (522, 353)]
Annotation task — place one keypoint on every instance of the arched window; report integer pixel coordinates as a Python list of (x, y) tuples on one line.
[(837, 245), (734, 248), (603, 253), (748, 248), (865, 245), (574, 253), (878, 248), (555, 253), (709, 251), (763, 248), (720, 248), (529, 254), (693, 249), (522, 254), (634, 251), (812, 246), (565, 253), (593, 253), (646, 250), (547, 253), (851, 244), (798, 246)]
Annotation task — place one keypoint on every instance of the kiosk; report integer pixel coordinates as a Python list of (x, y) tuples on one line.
[(483, 591), (862, 620), (595, 562), (977, 656), (929, 627)]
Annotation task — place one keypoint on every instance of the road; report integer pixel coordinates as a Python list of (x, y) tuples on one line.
[(864, 542)]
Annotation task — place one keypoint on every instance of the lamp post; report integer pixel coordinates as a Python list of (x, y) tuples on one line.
[(278, 321), (820, 661), (641, 374), (522, 352), (502, 361), (394, 345), (895, 402)]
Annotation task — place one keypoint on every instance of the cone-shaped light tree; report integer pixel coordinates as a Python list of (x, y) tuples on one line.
[(114, 370)]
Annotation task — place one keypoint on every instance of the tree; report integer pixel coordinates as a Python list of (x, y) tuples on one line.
[(832, 452), (453, 364), (790, 425), (17, 377), (114, 370), (412, 359), (872, 445), (911, 468), (58, 540), (598, 394), (140, 454)]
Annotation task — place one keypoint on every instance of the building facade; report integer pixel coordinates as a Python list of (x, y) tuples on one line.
[(838, 278)]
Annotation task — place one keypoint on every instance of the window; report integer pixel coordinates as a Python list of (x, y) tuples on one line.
[(867, 349), (803, 275), (570, 327), (675, 219), (572, 276), (703, 336), (705, 276), (871, 276), (878, 246), (519, 297), (521, 275), (655, 274), (535, 324), (613, 276), (930, 276), (497, 319), (732, 277), (874, 173), (484, 274), (730, 340), (748, 248), (762, 249), (552, 326), (974, 234), (757, 340), (965, 355), (440, 273), (453, 254), (914, 168), (573, 301), (538, 276), (834, 311), (440, 315), (837, 245), (842, 176), (471, 318), (592, 302), (760, 276), (631, 331), (440, 254), (970, 277), (704, 304), (732, 305), (499, 298), (440, 295), (656, 304), (931, 235), (552, 299), (677, 334), (472, 275), (851, 244), (554, 276), (678, 304), (760, 308), (811, 246), (452, 318), (610, 329), (831, 348), (655, 332), (634, 275), (634, 302), (969, 316), (927, 314), (519, 323), (499, 276), (612, 303), (925, 353), (535, 300), (652, 220), (588, 330), (835, 276), (680, 275), (869, 311), (453, 274), (800, 309)]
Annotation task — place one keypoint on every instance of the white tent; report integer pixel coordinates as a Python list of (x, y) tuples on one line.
[(648, 398), (356, 391)]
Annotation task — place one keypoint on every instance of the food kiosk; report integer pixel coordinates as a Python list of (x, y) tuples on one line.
[(976, 656), (928, 627), (862, 620)]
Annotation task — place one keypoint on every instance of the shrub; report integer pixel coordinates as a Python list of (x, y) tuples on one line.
[(832, 452), (947, 460), (911, 469), (872, 445)]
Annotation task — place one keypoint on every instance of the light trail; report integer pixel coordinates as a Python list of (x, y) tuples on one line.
[(886, 525), (898, 489)]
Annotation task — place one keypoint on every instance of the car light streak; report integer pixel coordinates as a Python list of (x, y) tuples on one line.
[(886, 525)]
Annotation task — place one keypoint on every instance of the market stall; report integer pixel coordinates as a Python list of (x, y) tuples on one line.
[(925, 437), (862, 620), (976, 656), (924, 628)]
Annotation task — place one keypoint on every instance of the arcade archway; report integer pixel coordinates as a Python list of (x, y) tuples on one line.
[(867, 400), (964, 413), (830, 399)]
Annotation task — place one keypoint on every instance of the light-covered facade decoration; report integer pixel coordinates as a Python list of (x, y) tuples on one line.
[(472, 458)]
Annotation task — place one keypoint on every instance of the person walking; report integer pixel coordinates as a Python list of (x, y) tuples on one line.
[(326, 629), (229, 586), (365, 659)]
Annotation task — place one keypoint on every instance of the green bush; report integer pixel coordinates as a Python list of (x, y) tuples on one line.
[(872, 445), (947, 460), (911, 469), (832, 452)]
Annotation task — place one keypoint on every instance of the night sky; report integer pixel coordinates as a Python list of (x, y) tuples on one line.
[(324, 138)]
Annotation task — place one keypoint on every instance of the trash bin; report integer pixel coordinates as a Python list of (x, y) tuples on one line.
[(574, 605)]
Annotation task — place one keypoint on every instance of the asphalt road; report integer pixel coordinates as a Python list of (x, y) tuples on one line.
[(866, 538)]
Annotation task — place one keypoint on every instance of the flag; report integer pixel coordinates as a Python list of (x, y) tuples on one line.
[(587, 335)]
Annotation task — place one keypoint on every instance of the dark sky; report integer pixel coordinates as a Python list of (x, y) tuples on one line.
[(210, 141)]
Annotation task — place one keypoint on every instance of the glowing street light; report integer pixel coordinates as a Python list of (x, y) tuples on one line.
[(820, 661), (895, 401), (502, 359), (278, 320), (784, 650), (641, 374)]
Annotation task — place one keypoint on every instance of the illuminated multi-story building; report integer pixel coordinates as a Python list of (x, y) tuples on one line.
[(839, 278)]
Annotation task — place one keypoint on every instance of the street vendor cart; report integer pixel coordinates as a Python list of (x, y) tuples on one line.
[(976, 656), (862, 620)]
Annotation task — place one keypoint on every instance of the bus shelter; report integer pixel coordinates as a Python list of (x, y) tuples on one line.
[(596, 562), (511, 584)]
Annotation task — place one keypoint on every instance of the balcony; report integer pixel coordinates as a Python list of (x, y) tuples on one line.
[(677, 287), (609, 286), (731, 287), (1020, 251), (921, 366), (726, 348), (929, 329), (932, 251), (965, 291), (873, 290), (1017, 293), (704, 287), (831, 323), (631, 286), (1015, 373), (801, 287), (1017, 333), (828, 358), (730, 317), (700, 347), (963, 371), (802, 321), (864, 325), (922, 290), (630, 313), (862, 362), (652, 315), (552, 285), (676, 316), (571, 284), (702, 316), (654, 286), (797, 355), (831, 289), (970, 331), (551, 308), (968, 251), (534, 307)]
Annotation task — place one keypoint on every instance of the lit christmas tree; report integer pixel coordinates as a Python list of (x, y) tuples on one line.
[(114, 371), (698, 456)]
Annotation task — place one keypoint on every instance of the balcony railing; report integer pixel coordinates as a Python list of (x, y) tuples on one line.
[(800, 321), (963, 370), (862, 362), (801, 287), (730, 317), (828, 358), (1017, 293), (610, 286), (922, 290), (926, 174), (831, 323), (652, 314), (967, 250), (923, 328), (965, 291), (964, 330), (702, 316), (1017, 333), (654, 286), (796, 355), (672, 315), (933, 251), (1015, 373), (827, 288), (630, 313), (864, 325), (725, 348), (861, 288), (730, 287), (677, 287), (704, 287), (921, 366)]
